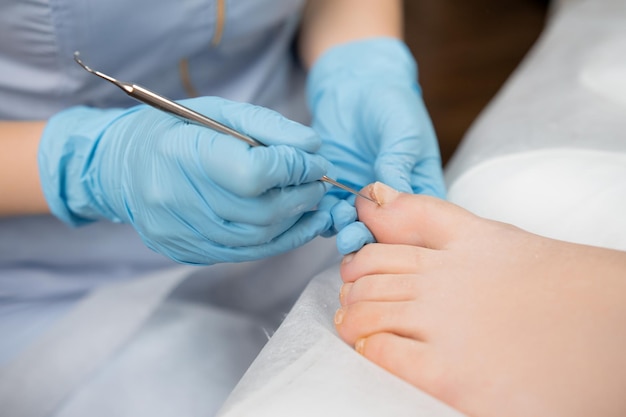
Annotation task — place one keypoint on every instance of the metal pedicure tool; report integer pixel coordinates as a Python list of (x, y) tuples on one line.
[(155, 100)]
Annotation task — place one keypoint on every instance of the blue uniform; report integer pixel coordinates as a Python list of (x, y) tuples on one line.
[(233, 49), (240, 50)]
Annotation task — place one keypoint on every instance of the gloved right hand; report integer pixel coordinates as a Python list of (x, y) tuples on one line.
[(192, 194)]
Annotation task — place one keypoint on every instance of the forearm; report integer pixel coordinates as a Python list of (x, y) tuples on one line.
[(331, 22), (20, 189)]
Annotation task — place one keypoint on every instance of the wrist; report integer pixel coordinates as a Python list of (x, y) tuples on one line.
[(66, 151), (376, 60)]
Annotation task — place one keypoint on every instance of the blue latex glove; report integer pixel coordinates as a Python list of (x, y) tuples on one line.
[(368, 109), (194, 195)]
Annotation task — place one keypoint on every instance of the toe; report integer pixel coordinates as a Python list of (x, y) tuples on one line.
[(394, 287), (410, 219), (362, 319), (379, 258)]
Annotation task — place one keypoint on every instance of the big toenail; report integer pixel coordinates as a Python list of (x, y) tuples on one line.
[(382, 193), (359, 346), (347, 258), (339, 316)]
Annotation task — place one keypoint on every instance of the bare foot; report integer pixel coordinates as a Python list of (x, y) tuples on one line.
[(493, 320)]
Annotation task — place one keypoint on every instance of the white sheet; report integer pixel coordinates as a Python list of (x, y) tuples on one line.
[(577, 195)]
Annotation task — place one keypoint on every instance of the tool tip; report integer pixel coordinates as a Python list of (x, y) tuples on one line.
[(368, 198), (80, 61)]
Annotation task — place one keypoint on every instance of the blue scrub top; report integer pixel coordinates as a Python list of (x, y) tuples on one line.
[(239, 49)]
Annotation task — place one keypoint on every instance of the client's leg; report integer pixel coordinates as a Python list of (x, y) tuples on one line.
[(489, 318)]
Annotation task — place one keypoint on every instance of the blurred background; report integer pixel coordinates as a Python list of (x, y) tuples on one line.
[(465, 50)]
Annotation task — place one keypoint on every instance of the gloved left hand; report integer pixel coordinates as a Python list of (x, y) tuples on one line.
[(368, 109)]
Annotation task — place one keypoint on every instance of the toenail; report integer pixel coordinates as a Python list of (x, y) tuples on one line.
[(359, 345), (339, 316), (382, 193), (343, 292), (347, 258)]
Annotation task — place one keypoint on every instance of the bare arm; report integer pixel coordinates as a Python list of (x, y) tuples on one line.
[(327, 23), (20, 190)]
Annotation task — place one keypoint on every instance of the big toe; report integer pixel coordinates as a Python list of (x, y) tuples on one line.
[(409, 219)]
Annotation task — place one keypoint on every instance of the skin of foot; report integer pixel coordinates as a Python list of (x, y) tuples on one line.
[(488, 318)]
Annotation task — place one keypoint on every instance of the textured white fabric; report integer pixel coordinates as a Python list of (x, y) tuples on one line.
[(577, 195), (107, 356)]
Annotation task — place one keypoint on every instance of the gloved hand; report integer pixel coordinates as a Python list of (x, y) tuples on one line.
[(194, 195), (367, 107)]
